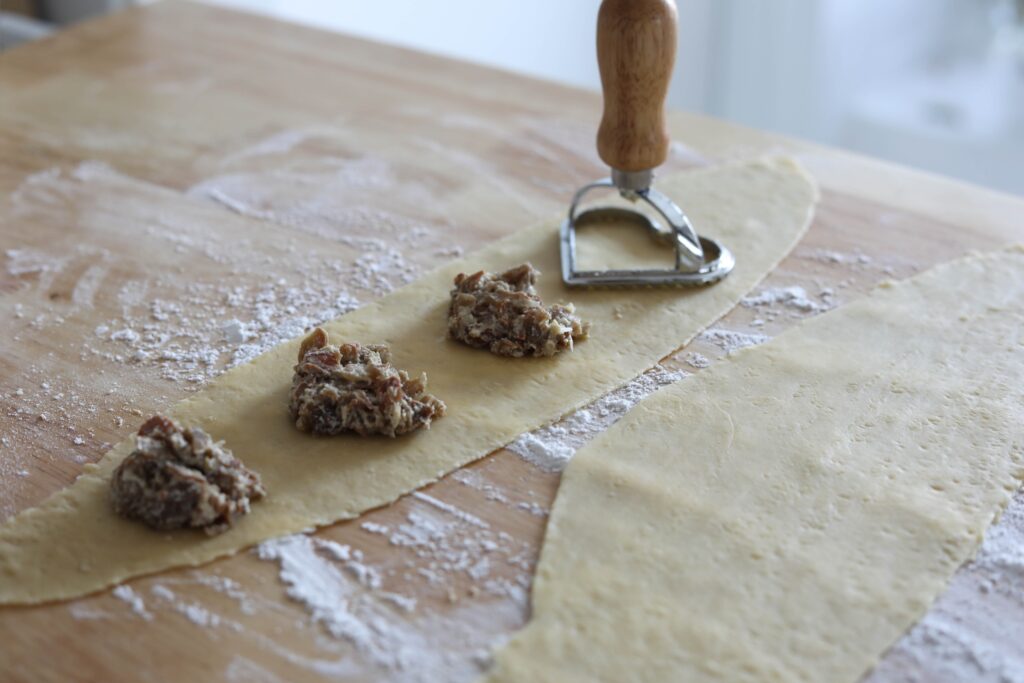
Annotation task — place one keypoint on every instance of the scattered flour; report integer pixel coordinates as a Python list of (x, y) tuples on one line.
[(243, 670), (534, 509), (30, 261), (319, 585), (854, 261), (88, 284), (85, 612), (697, 360), (832, 256), (278, 143), (133, 600), (550, 448), (473, 479), (452, 510), (229, 587), (794, 297), (193, 611), (354, 606), (730, 340), (208, 328)]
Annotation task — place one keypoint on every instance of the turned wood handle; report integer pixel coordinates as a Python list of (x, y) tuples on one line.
[(636, 49)]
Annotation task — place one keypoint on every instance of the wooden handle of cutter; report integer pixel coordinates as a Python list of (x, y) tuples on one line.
[(636, 49)]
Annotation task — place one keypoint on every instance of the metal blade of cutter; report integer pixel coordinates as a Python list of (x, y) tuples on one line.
[(698, 260)]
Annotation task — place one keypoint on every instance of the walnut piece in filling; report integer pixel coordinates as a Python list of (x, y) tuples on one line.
[(178, 478), (503, 313), (354, 388)]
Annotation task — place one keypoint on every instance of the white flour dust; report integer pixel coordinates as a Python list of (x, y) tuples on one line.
[(328, 190), (321, 587), (243, 670), (133, 600), (453, 546), (86, 612), (551, 447), (211, 327), (836, 257), (535, 509), (475, 480), (854, 262), (278, 143), (390, 632), (193, 611), (451, 510), (792, 297), (30, 261), (247, 604), (731, 340), (697, 360)]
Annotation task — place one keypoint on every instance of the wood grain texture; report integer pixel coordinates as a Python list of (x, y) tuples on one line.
[(320, 142), (636, 49)]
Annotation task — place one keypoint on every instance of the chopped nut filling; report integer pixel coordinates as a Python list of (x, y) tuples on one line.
[(503, 313), (354, 388), (178, 478)]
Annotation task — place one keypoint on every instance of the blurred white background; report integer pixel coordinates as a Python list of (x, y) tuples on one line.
[(937, 84)]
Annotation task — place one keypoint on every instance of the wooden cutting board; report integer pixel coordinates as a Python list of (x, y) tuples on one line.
[(178, 180)]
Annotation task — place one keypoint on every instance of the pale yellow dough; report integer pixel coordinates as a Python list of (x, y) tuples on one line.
[(72, 544), (787, 514)]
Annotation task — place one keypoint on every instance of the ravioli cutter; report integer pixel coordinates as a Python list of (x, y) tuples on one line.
[(636, 49)]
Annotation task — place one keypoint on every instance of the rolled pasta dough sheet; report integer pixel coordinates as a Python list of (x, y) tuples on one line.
[(789, 513), (73, 544)]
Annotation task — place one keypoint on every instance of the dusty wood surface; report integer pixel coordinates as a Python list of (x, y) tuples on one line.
[(186, 168)]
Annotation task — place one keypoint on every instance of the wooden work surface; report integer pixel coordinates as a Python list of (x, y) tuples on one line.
[(179, 168)]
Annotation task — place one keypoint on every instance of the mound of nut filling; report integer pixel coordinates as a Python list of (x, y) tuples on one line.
[(179, 478), (502, 313), (354, 388)]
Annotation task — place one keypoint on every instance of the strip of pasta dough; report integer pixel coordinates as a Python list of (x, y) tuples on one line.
[(72, 544), (787, 514)]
